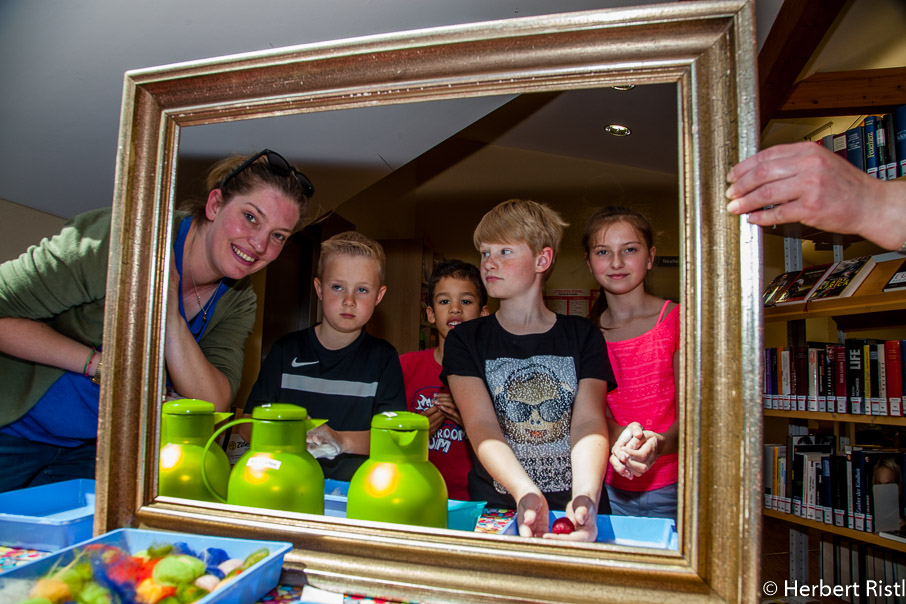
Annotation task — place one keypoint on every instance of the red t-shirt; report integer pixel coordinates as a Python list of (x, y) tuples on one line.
[(448, 449)]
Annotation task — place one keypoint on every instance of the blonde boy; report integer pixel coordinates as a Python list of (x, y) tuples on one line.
[(530, 383), (336, 370)]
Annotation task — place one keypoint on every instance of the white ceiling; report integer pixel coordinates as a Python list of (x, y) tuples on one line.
[(62, 66)]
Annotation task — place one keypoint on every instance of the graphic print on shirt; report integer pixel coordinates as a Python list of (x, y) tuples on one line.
[(533, 400), (448, 432)]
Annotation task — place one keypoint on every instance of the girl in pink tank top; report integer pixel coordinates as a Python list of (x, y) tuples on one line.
[(642, 334)]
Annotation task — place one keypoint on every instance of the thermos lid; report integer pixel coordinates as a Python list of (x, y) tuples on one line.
[(280, 411), (188, 406), (400, 420)]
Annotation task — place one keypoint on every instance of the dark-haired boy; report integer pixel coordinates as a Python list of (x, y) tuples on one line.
[(455, 294)]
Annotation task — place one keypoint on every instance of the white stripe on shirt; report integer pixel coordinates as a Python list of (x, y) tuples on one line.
[(305, 383)]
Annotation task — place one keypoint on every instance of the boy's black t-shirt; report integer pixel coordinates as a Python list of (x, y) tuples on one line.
[(533, 380), (347, 387)]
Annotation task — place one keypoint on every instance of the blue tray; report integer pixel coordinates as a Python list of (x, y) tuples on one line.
[(250, 586), (48, 517), (631, 531)]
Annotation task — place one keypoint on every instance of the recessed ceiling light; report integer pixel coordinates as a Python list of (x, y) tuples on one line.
[(617, 130), (624, 87)]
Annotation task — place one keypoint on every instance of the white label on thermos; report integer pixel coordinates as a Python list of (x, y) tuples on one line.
[(263, 463)]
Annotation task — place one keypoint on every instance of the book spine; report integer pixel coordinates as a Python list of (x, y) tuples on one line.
[(858, 470), (894, 377), (812, 401), (827, 490), (855, 375), (883, 404), (823, 370), (785, 392), (870, 365), (855, 147), (840, 378), (800, 374), (838, 463), (889, 128), (899, 121), (850, 493), (881, 147), (871, 155)]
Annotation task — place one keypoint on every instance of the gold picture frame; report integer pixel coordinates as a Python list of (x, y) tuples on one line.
[(707, 49)]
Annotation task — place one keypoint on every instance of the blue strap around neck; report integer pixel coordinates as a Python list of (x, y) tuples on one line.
[(198, 324)]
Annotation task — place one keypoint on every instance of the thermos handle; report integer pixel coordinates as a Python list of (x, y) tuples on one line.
[(204, 455)]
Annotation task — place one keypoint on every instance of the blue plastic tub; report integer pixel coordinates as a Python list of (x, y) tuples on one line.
[(627, 530), (249, 587), (48, 517)]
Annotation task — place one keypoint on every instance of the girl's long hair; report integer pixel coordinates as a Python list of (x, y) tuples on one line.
[(605, 218)]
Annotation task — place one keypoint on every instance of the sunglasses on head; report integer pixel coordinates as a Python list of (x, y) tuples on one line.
[(278, 164)]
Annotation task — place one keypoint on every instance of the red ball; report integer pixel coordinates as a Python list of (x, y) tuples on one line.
[(563, 526)]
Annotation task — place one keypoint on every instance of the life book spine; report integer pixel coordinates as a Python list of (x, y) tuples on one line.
[(855, 375)]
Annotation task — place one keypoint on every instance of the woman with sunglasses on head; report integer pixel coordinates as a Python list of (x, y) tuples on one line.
[(52, 314)]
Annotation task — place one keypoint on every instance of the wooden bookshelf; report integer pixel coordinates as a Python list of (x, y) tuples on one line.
[(868, 301), (877, 420), (855, 535)]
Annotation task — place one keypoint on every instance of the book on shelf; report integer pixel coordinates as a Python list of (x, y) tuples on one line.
[(802, 287), (855, 147), (889, 128), (894, 377), (855, 375), (899, 136), (777, 286), (897, 281), (896, 535), (871, 152), (844, 278), (882, 147)]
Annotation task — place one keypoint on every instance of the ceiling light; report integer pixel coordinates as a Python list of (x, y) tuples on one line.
[(624, 87), (617, 130)]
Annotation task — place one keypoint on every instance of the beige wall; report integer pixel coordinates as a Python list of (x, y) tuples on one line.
[(21, 227)]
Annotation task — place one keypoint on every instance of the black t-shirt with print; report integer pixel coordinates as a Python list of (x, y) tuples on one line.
[(532, 380)]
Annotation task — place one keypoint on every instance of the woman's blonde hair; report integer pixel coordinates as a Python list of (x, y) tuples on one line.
[(352, 243), (522, 221)]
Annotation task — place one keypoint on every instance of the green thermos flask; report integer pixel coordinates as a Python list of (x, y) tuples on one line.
[(397, 483), (186, 425), (277, 472)]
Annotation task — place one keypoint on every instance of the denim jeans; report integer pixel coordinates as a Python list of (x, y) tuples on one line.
[(659, 503), (28, 463)]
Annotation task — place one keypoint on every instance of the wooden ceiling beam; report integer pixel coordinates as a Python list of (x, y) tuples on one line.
[(846, 93), (794, 37)]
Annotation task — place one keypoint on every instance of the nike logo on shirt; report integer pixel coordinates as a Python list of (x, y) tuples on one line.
[(294, 363)]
